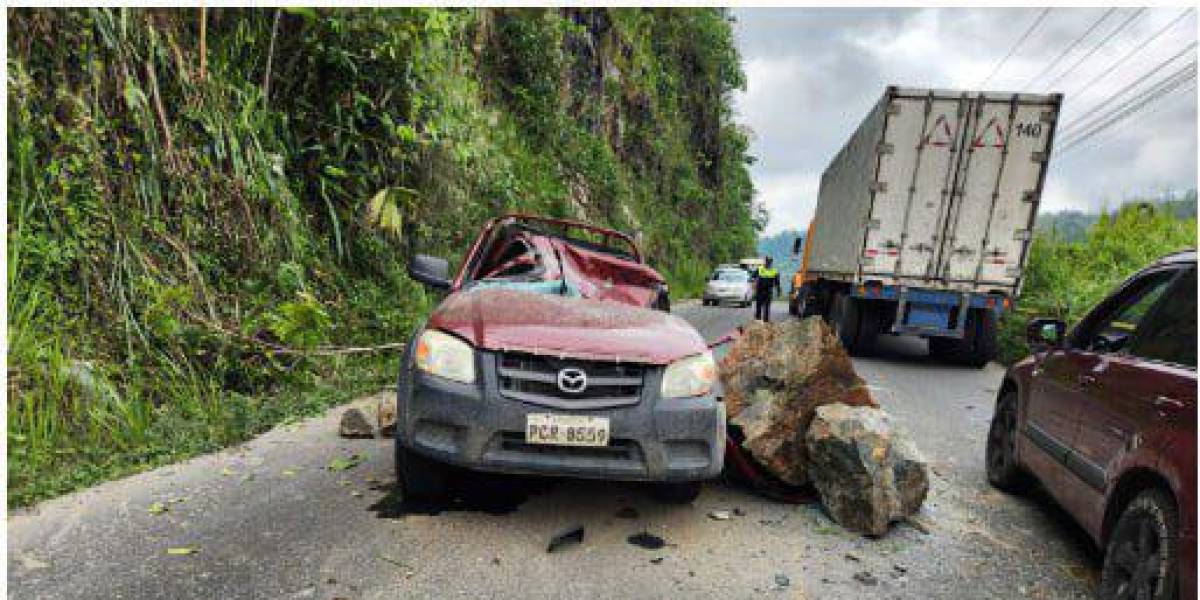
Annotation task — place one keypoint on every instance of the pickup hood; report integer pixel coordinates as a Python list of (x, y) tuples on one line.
[(549, 324)]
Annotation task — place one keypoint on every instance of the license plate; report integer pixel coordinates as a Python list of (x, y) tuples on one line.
[(566, 430)]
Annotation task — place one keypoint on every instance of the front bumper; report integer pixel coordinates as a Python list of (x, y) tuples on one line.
[(473, 426), (726, 296)]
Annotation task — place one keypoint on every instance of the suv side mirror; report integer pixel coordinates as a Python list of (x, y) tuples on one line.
[(1046, 333), (431, 271)]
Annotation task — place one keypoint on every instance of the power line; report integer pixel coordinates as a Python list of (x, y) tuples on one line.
[(1170, 84), (1187, 70), (1021, 40), (1132, 52), (1137, 13), (1054, 63), (1063, 155), (1131, 85)]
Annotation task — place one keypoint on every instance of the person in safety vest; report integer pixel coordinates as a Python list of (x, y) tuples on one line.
[(766, 286)]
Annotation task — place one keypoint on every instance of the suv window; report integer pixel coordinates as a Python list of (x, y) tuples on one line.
[(1114, 330), (1168, 333)]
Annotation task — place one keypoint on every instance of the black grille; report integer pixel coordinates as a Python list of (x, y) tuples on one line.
[(534, 379)]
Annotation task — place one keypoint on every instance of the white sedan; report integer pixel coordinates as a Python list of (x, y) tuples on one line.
[(729, 285)]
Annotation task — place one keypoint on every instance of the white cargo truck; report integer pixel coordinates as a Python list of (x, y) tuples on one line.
[(925, 216)]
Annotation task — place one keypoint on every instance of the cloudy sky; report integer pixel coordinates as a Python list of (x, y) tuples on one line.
[(812, 75)]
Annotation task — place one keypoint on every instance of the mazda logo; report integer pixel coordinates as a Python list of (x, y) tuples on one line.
[(572, 380)]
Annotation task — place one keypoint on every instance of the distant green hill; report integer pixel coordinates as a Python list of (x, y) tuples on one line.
[(779, 247), (1072, 225)]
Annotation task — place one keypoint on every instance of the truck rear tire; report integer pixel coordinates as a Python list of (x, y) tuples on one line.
[(976, 348), (855, 324), (420, 478), (980, 338)]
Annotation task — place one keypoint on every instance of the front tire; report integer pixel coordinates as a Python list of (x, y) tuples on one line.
[(1140, 560), (1003, 470), (678, 493), (420, 478)]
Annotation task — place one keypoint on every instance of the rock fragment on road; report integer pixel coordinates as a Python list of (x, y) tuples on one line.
[(386, 415), (866, 474), (354, 424), (775, 376)]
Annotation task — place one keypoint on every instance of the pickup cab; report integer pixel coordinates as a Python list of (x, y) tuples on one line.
[(553, 353)]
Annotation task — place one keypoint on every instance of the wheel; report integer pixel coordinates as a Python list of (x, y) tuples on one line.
[(794, 307), (678, 493), (845, 320), (419, 477), (868, 327), (1140, 560), (943, 348), (1003, 470), (855, 324), (980, 340)]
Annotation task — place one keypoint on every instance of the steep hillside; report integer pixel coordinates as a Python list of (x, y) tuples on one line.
[(207, 208)]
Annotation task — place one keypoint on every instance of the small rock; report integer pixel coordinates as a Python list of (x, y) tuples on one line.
[(571, 535), (386, 414), (852, 557), (782, 580), (865, 578), (355, 425), (901, 569), (657, 560), (496, 560), (719, 515)]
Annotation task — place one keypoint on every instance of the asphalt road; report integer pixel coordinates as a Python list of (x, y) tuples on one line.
[(268, 519)]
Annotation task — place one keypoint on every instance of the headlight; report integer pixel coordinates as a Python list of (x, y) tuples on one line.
[(445, 356), (691, 376)]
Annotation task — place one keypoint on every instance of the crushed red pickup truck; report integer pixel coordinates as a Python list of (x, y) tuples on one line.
[(554, 353)]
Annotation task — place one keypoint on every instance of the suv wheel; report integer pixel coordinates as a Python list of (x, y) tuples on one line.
[(678, 493), (419, 477), (1140, 559), (1003, 471)]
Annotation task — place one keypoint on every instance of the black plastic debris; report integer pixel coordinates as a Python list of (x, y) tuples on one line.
[(571, 535), (646, 540)]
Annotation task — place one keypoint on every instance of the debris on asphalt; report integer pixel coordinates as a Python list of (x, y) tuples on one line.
[(656, 561), (386, 415), (866, 578), (775, 376), (627, 512), (900, 570), (782, 580), (718, 515), (569, 536), (157, 508), (738, 512), (354, 424), (852, 558), (868, 476), (183, 551), (343, 463), (646, 540), (289, 472)]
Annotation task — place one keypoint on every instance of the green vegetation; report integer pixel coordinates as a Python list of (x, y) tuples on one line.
[(1065, 278), (203, 206)]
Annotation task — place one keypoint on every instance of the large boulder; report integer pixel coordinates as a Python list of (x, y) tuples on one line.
[(775, 376), (866, 474)]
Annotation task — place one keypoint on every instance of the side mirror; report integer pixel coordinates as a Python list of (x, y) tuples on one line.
[(1046, 333), (797, 246), (431, 271)]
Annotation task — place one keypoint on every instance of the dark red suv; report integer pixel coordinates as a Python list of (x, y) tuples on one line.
[(1105, 418)]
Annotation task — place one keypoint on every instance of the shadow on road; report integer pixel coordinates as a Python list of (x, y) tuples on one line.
[(486, 493)]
